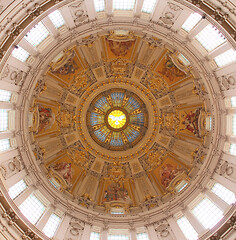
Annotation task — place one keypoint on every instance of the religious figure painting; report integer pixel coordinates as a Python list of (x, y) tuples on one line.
[(116, 192), (65, 170), (190, 122), (46, 118), (169, 71), (119, 48), (167, 173), (66, 65)]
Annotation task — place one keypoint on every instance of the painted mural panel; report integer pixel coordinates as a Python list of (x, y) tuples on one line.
[(64, 171), (43, 118), (170, 73), (66, 66), (46, 118), (116, 192), (168, 171), (119, 45), (192, 121)]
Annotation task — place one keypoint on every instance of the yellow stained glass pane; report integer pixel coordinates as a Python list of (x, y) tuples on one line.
[(116, 119)]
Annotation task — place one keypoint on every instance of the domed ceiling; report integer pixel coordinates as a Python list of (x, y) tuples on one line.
[(118, 121)]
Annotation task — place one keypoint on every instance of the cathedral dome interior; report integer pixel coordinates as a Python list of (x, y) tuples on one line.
[(117, 120)]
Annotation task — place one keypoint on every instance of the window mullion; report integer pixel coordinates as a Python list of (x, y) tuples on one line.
[(152, 233), (175, 228), (202, 24), (194, 222), (217, 200), (5, 135), (133, 234), (61, 231), (104, 233), (22, 197), (109, 7), (6, 105), (43, 220), (49, 25)]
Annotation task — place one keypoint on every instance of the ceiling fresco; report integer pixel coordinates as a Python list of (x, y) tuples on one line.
[(118, 122)]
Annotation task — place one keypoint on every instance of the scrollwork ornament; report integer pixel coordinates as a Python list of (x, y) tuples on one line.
[(75, 227)]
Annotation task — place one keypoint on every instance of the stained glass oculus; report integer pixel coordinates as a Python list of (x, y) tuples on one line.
[(117, 119)]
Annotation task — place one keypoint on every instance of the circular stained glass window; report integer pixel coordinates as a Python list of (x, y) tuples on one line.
[(117, 119)]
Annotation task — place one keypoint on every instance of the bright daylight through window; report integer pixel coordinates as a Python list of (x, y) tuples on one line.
[(20, 53), (32, 208), (232, 149), (56, 19), (210, 37), (99, 5), (191, 22), (95, 236), (118, 237), (142, 236), (207, 213), (123, 4), (5, 96), (3, 119), (5, 144), (225, 58), (51, 225), (17, 189), (187, 228), (148, 5), (37, 34), (223, 193), (233, 102)]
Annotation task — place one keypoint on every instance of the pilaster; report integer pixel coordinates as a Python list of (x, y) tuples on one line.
[(175, 228), (87, 232), (194, 222), (151, 232)]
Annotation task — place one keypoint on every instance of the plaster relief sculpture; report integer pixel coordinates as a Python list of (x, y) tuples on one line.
[(79, 13), (227, 82), (170, 14), (11, 167), (227, 169), (13, 75)]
